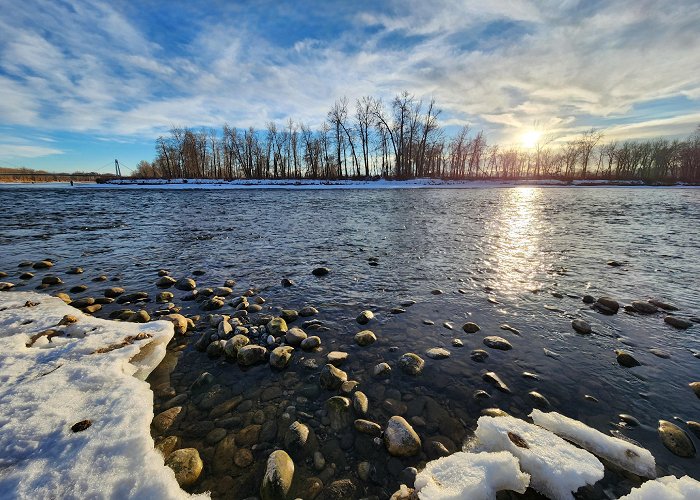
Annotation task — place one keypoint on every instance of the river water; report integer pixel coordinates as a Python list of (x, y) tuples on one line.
[(523, 256)]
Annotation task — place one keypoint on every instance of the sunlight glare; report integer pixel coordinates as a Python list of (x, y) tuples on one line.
[(530, 138)]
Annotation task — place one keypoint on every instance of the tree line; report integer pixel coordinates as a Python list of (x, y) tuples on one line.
[(403, 140), (23, 174)]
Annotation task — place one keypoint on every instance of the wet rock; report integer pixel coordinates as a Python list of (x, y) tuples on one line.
[(132, 297), (381, 370), (332, 378), (300, 441), (243, 458), (539, 400), (507, 327), (644, 307), (215, 435), (179, 323), (338, 408), (470, 327), (186, 464), (606, 305), (365, 338), (78, 289), (411, 363), (695, 386), (114, 292), (400, 439), (663, 305), (675, 439), (457, 343), (581, 326), (250, 354), (167, 445), (479, 355), (24, 276), (626, 359), (82, 302), (215, 349), (234, 344), (588, 299), (165, 420), (436, 292), (294, 336), (660, 353), (397, 310), (629, 420), (496, 381), (499, 343), (203, 381), (340, 489), (614, 263), (289, 315), (277, 327), (494, 412), (222, 291), (319, 461), (336, 358), (365, 317), (186, 284), (279, 473), (51, 280), (360, 403), (311, 343), (437, 353), (307, 311), (368, 427), (213, 304), (165, 281), (694, 427), (321, 271), (481, 394), (677, 322), (286, 282), (281, 356), (140, 316), (249, 435), (44, 264)]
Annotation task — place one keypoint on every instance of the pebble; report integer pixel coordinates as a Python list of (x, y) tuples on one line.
[(499, 343), (660, 353), (307, 311), (368, 427), (695, 386), (397, 310), (428, 322), (457, 343), (581, 326), (509, 328), (437, 353), (360, 403), (539, 399), (470, 327), (551, 354), (479, 355), (294, 336), (311, 343), (606, 305)]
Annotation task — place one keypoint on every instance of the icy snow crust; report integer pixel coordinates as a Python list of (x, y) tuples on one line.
[(556, 467), (476, 476), (666, 488), (46, 388), (622, 453)]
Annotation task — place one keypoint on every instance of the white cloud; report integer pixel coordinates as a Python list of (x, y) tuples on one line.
[(16, 151)]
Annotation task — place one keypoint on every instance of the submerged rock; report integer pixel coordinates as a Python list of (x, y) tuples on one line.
[(675, 439), (281, 356), (332, 378), (400, 439), (581, 326), (677, 322), (321, 271), (338, 412), (494, 379), (470, 327), (411, 363), (368, 427), (606, 305), (626, 359), (278, 476), (644, 307), (479, 355), (663, 305)]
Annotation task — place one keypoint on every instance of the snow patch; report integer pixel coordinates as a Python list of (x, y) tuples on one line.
[(91, 369), (477, 476), (666, 488), (622, 453), (557, 468)]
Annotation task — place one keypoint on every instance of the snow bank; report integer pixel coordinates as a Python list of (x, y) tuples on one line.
[(91, 369), (556, 467), (666, 488), (622, 453), (477, 476)]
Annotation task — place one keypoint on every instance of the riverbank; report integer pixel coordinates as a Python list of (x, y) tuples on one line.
[(425, 183)]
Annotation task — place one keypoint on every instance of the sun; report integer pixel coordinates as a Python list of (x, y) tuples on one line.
[(530, 138)]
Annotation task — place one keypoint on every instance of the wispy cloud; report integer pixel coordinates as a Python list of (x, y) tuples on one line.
[(104, 69)]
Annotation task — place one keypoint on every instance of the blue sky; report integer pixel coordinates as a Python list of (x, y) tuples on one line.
[(84, 82)]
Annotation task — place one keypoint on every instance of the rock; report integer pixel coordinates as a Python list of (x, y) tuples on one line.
[(140, 316), (250, 354), (277, 327), (588, 299), (675, 439), (360, 403), (281, 356), (299, 440), (243, 458), (82, 302), (397, 310), (51, 280), (626, 359), (215, 435), (78, 289), (165, 420), (186, 284), (320, 271), (75, 270), (132, 297), (695, 386), (63, 296), (436, 292), (319, 461), (307, 311), (470, 327), (338, 412), (179, 322), (365, 338), (663, 305), (222, 291), (332, 378), (213, 304), (381, 370), (6, 285), (581, 326), (249, 435), (365, 317), (341, 489), (677, 322), (368, 427), (167, 445), (165, 281), (363, 469), (25, 276), (400, 439), (44, 264), (278, 476), (234, 344), (539, 400), (694, 427), (411, 363), (215, 349), (286, 282), (115, 292), (606, 305), (294, 336), (289, 315), (336, 358), (660, 353), (614, 263), (644, 307), (437, 353), (494, 379), (310, 343), (499, 343), (186, 464)]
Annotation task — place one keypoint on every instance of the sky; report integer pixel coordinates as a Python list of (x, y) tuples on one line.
[(85, 82)]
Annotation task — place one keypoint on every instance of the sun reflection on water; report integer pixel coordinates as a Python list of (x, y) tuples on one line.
[(517, 257)]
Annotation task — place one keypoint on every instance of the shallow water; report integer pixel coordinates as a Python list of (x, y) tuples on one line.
[(508, 250)]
